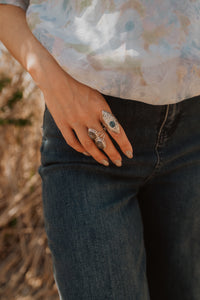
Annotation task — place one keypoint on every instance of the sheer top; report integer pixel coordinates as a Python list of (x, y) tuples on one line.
[(144, 50)]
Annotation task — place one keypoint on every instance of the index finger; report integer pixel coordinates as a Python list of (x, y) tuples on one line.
[(117, 132)]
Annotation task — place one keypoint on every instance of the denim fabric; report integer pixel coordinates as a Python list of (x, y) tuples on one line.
[(128, 233)]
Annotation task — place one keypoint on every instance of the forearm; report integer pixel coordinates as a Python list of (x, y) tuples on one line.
[(73, 105), (19, 40)]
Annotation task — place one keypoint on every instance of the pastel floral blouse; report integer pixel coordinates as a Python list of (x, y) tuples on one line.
[(144, 50)]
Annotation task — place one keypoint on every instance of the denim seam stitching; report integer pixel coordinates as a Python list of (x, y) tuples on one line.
[(156, 146)]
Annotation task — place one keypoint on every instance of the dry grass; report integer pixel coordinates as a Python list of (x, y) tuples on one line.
[(25, 261)]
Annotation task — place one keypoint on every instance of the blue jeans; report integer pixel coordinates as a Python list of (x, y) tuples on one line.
[(130, 232)]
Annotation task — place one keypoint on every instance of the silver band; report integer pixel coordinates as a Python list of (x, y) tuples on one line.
[(98, 137), (110, 121)]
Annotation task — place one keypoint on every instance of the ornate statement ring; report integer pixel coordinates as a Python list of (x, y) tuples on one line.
[(110, 121), (98, 137)]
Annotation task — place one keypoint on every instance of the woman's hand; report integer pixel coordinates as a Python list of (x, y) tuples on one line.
[(76, 107)]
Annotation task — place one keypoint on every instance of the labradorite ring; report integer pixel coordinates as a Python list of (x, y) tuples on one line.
[(110, 121), (98, 137)]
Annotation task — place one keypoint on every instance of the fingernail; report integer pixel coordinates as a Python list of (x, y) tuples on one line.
[(129, 154), (105, 162), (86, 153), (118, 163)]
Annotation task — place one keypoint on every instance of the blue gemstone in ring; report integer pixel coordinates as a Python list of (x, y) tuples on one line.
[(112, 124)]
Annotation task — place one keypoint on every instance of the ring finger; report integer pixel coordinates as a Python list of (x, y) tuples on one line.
[(91, 147)]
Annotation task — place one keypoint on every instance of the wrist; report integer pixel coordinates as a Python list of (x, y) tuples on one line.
[(46, 72), (38, 65)]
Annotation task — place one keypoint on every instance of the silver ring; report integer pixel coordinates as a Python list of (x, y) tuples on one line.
[(110, 121), (98, 137)]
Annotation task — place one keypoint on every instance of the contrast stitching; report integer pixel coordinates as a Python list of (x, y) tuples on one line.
[(157, 144), (159, 135)]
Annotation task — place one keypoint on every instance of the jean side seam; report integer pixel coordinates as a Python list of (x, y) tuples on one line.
[(156, 147)]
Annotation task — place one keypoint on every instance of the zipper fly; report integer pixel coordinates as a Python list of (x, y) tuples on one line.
[(159, 135)]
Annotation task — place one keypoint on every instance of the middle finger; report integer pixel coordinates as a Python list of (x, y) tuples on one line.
[(117, 132)]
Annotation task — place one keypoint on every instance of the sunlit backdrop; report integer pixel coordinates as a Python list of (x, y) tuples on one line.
[(25, 264)]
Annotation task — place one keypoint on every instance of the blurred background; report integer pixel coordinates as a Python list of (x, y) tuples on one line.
[(25, 260)]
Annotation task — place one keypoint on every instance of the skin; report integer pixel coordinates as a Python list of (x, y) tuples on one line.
[(74, 106)]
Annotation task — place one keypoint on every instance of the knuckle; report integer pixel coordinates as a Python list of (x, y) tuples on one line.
[(99, 157), (124, 144), (122, 140), (114, 155), (62, 123), (73, 143), (75, 123), (88, 143)]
